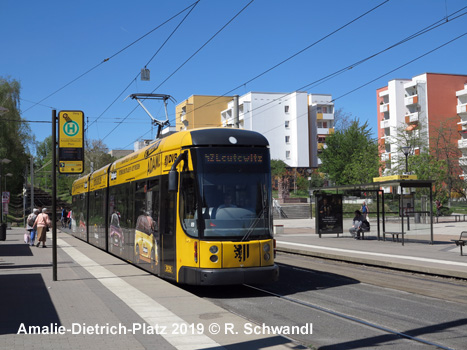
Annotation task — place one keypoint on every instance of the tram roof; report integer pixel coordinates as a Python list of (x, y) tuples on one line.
[(181, 139)]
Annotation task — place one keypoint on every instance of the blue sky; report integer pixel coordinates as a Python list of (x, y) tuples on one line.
[(48, 44)]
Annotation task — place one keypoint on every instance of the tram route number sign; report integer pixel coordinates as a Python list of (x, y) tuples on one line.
[(71, 142)]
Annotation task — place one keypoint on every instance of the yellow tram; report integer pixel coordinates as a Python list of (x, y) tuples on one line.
[(194, 207)]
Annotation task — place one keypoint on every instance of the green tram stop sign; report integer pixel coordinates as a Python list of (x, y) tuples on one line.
[(71, 142)]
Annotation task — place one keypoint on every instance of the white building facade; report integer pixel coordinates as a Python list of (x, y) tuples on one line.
[(283, 118)]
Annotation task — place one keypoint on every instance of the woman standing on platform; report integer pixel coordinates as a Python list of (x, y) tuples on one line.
[(42, 223), (364, 211)]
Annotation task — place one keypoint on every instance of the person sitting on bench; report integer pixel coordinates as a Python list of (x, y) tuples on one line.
[(356, 224)]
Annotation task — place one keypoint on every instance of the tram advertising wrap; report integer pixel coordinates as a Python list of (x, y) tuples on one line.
[(194, 207)]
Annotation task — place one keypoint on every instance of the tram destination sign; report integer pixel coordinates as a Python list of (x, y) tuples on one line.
[(71, 142)]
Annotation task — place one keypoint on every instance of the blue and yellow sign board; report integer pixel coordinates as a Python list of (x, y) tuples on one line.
[(71, 142)]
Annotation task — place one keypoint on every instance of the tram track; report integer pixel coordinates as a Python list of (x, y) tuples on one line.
[(350, 318), (408, 281)]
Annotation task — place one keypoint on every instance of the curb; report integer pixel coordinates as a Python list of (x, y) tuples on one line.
[(378, 263)]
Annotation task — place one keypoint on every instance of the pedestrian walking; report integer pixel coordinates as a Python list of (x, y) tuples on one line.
[(42, 223), (439, 205), (30, 226)]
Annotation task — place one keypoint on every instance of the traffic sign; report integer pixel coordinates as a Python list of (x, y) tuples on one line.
[(71, 142)]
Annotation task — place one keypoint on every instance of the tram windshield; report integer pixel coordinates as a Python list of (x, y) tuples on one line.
[(230, 197)]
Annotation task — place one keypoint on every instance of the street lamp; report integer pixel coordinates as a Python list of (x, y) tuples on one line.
[(2, 161), (406, 150)]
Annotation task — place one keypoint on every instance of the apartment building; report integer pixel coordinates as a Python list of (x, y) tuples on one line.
[(321, 112), (281, 117), (296, 124), (200, 111), (462, 128), (418, 106)]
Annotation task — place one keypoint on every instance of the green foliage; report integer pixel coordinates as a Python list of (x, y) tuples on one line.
[(95, 152), (351, 155), (278, 168), (15, 135)]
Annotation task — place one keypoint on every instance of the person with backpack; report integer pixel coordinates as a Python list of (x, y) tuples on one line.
[(30, 225), (42, 223)]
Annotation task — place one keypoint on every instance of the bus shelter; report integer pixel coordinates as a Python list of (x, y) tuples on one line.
[(402, 205)]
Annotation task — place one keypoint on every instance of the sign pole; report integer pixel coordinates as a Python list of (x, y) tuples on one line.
[(54, 194)]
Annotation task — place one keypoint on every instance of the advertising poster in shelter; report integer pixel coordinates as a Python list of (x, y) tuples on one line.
[(329, 213)]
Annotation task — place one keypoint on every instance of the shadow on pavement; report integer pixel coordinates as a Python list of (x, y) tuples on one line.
[(24, 298)]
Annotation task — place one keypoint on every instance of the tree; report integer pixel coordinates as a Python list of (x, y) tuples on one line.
[(351, 155), (15, 134), (438, 161), (342, 120), (279, 173), (447, 152), (96, 153)]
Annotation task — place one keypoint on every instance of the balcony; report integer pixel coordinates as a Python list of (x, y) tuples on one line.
[(384, 108), (462, 109), (411, 100), (385, 157), (384, 124), (463, 162), (462, 127), (411, 118), (325, 116), (325, 131), (462, 143)]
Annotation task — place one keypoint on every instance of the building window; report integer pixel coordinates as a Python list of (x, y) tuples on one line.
[(286, 109), (287, 154), (286, 124), (287, 139), (325, 125)]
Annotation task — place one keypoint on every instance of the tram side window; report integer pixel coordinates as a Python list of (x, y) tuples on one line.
[(144, 222), (153, 202), (121, 203), (97, 209), (188, 203)]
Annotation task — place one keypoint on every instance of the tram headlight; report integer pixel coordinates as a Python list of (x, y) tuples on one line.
[(214, 258), (266, 256), (266, 248), (213, 249)]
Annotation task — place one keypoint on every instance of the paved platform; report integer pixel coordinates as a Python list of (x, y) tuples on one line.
[(101, 302), (440, 258)]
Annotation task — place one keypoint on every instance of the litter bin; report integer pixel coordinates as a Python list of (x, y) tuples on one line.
[(417, 218), (3, 232)]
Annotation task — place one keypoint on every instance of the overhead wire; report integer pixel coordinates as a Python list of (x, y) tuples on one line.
[(270, 69), (401, 66), (379, 77), (297, 53), (110, 57), (138, 74), (186, 61), (278, 64), (355, 64)]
